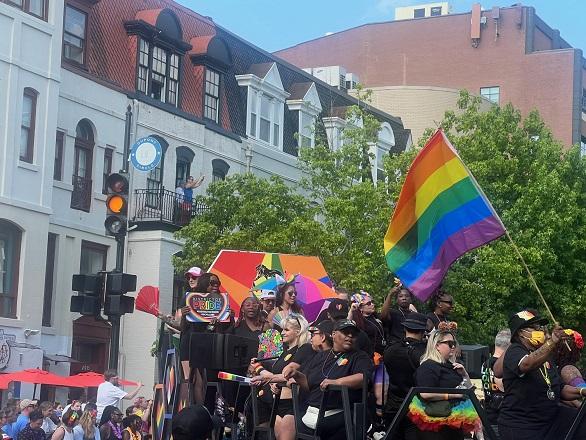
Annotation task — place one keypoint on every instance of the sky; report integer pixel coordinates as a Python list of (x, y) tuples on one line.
[(277, 24)]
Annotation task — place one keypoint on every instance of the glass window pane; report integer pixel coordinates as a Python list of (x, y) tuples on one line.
[(24, 133), (265, 107), (27, 109), (37, 7), (276, 135), (265, 130), (93, 260), (75, 22)]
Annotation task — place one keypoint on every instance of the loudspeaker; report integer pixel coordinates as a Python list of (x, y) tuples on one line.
[(238, 351), (206, 350), (473, 356)]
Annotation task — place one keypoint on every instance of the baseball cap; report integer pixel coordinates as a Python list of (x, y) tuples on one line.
[(343, 324), (267, 294), (194, 271), (415, 321), (326, 327), (194, 423), (338, 308), (524, 318), (24, 403)]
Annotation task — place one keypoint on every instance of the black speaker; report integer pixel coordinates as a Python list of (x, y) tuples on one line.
[(473, 356), (206, 350), (238, 351)]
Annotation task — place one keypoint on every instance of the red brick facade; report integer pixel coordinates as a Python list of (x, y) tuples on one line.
[(531, 64)]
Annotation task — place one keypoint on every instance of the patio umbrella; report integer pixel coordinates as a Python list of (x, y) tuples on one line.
[(36, 376), (92, 380)]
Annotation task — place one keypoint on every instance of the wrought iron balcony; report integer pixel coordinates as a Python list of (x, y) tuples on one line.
[(81, 197), (164, 207)]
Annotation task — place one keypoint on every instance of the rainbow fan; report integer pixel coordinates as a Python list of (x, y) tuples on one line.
[(279, 318), (270, 344)]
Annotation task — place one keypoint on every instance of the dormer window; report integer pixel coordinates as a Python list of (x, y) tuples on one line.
[(160, 48), (212, 95), (265, 103), (304, 99)]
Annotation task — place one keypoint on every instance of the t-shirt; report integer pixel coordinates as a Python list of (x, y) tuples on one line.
[(525, 404), (393, 324), (493, 397), (79, 434), (299, 354), (28, 433), (48, 425), (108, 394), (435, 319), (14, 429), (401, 360), (433, 374), (375, 331), (187, 195), (331, 365)]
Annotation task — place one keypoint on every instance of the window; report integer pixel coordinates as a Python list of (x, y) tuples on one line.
[(306, 127), (49, 279), (220, 170), (108, 157), (154, 185), (253, 102), (38, 8), (419, 13), (9, 267), (212, 95), (265, 119), (158, 72), (491, 93), (74, 35), (58, 167), (27, 126), (436, 10), (183, 165), (583, 147), (93, 257), (380, 169), (82, 171)]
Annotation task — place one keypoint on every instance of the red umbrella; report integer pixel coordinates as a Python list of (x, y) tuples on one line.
[(92, 380), (36, 376)]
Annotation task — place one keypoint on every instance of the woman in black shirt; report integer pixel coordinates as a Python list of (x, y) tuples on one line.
[(393, 317), (342, 365), (438, 370), (295, 336)]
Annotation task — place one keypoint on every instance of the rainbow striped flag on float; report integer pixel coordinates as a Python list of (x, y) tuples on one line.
[(441, 214)]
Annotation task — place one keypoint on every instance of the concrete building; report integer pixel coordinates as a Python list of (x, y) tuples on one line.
[(422, 11), (504, 54), (217, 104)]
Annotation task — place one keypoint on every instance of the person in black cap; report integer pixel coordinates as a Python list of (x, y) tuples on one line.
[(194, 423), (533, 390), (342, 365), (401, 360)]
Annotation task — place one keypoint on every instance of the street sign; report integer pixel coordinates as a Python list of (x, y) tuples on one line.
[(146, 154)]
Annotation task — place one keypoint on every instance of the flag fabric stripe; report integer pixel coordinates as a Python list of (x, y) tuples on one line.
[(427, 161), (461, 192), (441, 179), (457, 245), (463, 217), (441, 214)]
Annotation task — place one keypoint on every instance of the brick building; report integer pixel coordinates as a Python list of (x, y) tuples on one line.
[(505, 54)]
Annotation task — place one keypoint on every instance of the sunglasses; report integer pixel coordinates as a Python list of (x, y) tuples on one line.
[(215, 283), (369, 303), (451, 344), (448, 302)]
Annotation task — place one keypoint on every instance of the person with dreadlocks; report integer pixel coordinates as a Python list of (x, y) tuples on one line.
[(441, 304), (392, 317)]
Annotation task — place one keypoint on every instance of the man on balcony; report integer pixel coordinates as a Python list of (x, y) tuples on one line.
[(184, 194)]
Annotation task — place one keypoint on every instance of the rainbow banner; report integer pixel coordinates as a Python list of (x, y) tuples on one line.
[(441, 214)]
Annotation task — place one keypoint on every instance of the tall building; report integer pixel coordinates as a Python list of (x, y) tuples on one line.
[(76, 76), (503, 54)]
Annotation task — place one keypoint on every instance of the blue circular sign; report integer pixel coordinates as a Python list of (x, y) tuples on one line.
[(146, 154)]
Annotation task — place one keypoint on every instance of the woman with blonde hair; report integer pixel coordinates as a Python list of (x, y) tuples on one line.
[(86, 428), (299, 351), (442, 416)]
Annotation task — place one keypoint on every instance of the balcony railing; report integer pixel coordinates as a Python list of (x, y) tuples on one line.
[(81, 197), (164, 206)]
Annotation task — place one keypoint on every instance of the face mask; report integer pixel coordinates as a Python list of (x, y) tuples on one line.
[(537, 337)]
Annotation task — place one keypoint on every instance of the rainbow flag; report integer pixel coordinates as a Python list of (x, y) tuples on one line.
[(441, 214)]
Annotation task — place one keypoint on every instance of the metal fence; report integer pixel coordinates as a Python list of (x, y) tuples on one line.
[(164, 206)]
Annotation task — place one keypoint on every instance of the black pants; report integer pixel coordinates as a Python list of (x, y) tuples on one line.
[(330, 428), (445, 433), (406, 429), (556, 430)]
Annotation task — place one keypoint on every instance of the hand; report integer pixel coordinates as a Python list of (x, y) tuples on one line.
[(274, 388), (185, 310), (291, 382), (558, 335), (289, 371), (198, 182), (259, 380), (460, 369), (326, 382)]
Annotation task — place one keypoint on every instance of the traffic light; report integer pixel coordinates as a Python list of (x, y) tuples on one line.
[(116, 204), (91, 294), (116, 302)]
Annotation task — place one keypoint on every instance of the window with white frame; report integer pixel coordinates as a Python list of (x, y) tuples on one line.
[(158, 72), (212, 95), (491, 93), (306, 130)]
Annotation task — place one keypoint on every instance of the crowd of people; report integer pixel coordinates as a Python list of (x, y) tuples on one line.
[(530, 392)]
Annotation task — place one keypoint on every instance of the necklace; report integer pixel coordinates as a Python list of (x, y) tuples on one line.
[(439, 319), (335, 358), (115, 430), (545, 374), (133, 436)]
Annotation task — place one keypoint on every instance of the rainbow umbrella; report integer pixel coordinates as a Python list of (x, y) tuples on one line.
[(242, 271)]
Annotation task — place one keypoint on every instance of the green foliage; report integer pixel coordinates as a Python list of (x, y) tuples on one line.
[(538, 188)]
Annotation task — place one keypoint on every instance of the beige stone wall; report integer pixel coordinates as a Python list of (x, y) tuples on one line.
[(419, 107)]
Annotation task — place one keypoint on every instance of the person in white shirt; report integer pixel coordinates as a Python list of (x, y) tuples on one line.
[(110, 394), (48, 425)]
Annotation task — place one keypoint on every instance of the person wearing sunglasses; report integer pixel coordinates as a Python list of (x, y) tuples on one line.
[(286, 303), (437, 415), (111, 424), (441, 305), (64, 431)]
